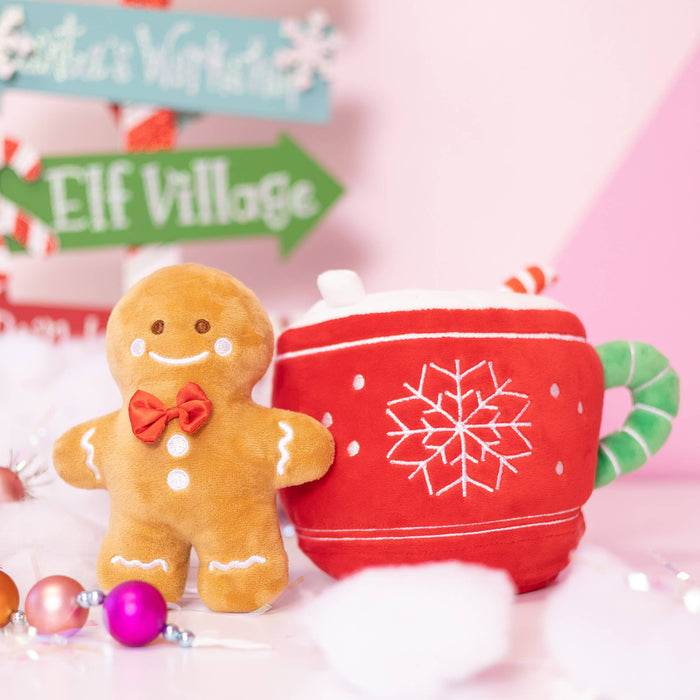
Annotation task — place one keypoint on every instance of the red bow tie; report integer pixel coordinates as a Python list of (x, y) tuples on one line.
[(149, 415)]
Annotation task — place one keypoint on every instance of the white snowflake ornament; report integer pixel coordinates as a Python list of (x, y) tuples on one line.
[(313, 48), (15, 44), (463, 424)]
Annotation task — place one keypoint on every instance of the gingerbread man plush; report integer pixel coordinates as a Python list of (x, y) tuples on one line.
[(190, 460)]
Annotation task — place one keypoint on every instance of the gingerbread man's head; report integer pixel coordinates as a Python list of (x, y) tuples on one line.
[(189, 320)]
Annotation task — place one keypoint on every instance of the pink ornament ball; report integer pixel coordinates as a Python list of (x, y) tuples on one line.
[(135, 613), (52, 606)]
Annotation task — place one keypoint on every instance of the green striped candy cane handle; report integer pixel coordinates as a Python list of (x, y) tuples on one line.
[(654, 387)]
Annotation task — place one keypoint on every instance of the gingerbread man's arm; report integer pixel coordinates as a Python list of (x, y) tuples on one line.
[(303, 448), (77, 454)]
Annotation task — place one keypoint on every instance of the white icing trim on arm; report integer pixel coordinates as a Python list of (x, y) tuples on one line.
[(137, 563), (237, 564), (282, 446), (90, 450)]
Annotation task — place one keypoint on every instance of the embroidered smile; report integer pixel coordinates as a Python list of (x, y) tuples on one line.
[(178, 360)]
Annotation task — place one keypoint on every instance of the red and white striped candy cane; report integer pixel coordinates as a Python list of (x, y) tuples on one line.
[(28, 231), (4, 267), (531, 280), (21, 158)]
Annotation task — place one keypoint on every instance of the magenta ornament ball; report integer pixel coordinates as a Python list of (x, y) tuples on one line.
[(52, 606), (135, 613)]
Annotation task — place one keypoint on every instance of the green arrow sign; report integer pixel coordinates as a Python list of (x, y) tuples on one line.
[(170, 196)]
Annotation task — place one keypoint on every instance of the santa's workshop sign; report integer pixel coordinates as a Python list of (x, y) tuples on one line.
[(192, 63), (132, 199)]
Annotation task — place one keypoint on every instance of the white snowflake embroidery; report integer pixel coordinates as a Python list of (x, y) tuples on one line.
[(312, 51), (465, 421), (15, 44)]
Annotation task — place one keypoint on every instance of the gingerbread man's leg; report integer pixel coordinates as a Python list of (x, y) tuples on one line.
[(151, 552), (240, 572)]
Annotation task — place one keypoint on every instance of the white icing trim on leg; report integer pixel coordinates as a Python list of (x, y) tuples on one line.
[(137, 563), (90, 450), (282, 446), (236, 564)]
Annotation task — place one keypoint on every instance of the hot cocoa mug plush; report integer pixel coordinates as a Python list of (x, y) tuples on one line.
[(190, 460), (466, 426)]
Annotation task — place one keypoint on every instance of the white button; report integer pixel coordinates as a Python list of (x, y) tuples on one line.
[(138, 347), (223, 347), (178, 445), (178, 480)]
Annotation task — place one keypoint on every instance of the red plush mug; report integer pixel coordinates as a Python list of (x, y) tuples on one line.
[(466, 426)]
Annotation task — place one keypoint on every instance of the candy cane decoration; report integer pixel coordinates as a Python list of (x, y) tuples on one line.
[(28, 231), (654, 386), (531, 280), (4, 267)]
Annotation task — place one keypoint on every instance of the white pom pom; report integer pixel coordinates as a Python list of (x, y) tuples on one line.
[(340, 287), (613, 633), (408, 631)]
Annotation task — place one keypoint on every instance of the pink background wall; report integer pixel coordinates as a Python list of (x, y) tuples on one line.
[(473, 138)]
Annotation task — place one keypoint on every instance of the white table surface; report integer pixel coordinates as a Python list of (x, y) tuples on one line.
[(630, 518)]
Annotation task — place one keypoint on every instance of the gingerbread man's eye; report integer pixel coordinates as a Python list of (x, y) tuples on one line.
[(157, 327), (202, 326)]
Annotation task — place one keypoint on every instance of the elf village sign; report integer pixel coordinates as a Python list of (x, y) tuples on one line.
[(167, 196)]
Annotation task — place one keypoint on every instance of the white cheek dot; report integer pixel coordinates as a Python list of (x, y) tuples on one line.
[(177, 445), (223, 347), (178, 479), (554, 390), (358, 382), (327, 420), (353, 448), (138, 347), (559, 469)]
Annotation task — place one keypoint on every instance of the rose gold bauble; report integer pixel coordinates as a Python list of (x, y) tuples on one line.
[(52, 607), (9, 598), (11, 487)]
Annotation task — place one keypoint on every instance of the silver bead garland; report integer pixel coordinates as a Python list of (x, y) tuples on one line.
[(90, 599), (18, 618), (174, 634)]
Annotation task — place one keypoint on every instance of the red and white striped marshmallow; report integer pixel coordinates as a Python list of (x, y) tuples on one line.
[(532, 280)]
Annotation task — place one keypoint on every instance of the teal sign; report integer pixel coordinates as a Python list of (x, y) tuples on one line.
[(185, 62), (167, 196)]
